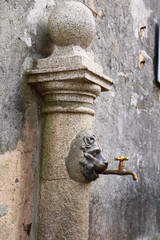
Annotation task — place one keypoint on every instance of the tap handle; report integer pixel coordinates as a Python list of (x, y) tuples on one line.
[(121, 160)]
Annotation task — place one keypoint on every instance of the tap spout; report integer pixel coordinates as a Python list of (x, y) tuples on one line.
[(121, 172)]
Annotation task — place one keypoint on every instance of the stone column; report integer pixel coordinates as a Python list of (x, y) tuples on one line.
[(68, 82)]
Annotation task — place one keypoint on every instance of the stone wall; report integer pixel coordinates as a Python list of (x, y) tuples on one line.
[(126, 120)]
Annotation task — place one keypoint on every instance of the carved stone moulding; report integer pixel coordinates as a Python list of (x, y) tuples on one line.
[(75, 87)]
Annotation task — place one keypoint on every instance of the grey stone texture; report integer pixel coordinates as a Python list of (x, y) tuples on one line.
[(64, 203), (126, 118), (71, 23)]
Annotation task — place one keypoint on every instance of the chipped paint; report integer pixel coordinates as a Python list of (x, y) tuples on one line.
[(27, 38), (134, 99), (122, 74), (139, 159)]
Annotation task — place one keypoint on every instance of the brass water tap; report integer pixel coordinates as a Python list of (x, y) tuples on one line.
[(121, 170)]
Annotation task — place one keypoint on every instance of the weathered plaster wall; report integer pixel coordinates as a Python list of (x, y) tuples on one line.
[(20, 42), (126, 120), (127, 123)]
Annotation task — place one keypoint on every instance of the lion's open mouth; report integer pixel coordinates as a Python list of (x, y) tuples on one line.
[(100, 171)]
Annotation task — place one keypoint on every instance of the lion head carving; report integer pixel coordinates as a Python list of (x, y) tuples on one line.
[(85, 160), (94, 162)]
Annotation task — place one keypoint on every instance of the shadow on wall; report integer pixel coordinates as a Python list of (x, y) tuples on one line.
[(130, 215), (136, 209), (155, 60)]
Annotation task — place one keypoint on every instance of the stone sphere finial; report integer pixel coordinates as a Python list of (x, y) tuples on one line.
[(71, 23)]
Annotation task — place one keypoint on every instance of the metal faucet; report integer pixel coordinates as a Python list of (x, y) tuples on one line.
[(121, 170)]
